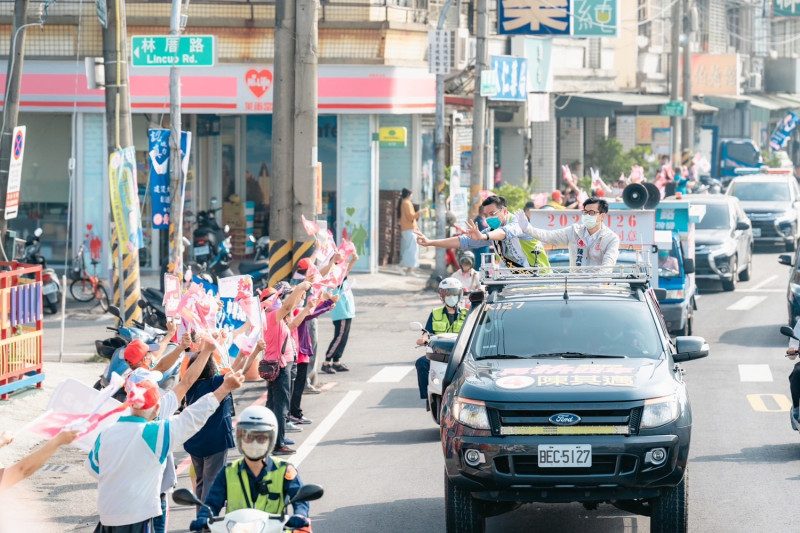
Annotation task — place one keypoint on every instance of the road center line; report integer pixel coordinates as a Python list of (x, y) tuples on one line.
[(764, 282), (746, 303), (317, 435), (755, 373), (760, 290), (390, 374)]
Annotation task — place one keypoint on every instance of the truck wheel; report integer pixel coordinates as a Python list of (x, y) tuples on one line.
[(436, 406), (670, 512), (463, 513), (745, 275)]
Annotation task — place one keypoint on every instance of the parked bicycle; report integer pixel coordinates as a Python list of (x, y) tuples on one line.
[(85, 288)]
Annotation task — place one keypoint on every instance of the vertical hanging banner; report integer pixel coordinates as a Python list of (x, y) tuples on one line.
[(578, 18), (125, 198), (783, 131), (15, 172), (158, 152)]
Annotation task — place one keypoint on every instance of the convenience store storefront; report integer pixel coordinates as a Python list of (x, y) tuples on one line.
[(228, 109)]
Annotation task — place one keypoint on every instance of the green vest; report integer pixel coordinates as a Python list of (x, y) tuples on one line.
[(442, 325), (239, 488), (535, 253)]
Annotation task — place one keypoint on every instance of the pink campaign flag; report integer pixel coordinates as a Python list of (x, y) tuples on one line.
[(637, 174), (539, 200), (311, 227), (566, 174), (75, 405)]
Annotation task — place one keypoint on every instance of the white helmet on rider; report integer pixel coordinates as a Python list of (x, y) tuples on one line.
[(450, 291), (256, 432), (467, 257)]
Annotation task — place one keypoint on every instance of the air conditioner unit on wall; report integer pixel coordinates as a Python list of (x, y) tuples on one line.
[(463, 50)]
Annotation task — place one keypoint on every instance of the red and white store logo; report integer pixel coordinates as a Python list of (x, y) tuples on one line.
[(258, 81)]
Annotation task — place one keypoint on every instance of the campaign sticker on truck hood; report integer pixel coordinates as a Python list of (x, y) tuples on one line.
[(514, 382)]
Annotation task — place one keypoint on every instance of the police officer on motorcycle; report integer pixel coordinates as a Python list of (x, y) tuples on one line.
[(446, 319), (257, 480)]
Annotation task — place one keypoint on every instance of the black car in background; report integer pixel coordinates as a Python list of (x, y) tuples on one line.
[(723, 241), (793, 289), (772, 203)]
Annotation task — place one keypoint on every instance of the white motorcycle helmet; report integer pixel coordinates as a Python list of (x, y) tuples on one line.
[(256, 432), (451, 291)]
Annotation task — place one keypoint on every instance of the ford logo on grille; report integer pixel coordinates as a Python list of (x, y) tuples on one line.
[(564, 419)]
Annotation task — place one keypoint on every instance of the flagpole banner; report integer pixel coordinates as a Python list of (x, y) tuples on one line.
[(783, 131), (125, 198), (159, 154)]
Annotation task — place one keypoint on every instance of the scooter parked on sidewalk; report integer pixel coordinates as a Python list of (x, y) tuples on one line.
[(789, 332), (114, 349), (51, 288), (250, 519), (258, 269), (437, 351)]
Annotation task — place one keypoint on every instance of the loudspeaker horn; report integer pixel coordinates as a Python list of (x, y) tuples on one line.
[(634, 195), (653, 195)]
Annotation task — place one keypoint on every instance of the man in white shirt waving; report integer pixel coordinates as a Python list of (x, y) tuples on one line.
[(590, 243)]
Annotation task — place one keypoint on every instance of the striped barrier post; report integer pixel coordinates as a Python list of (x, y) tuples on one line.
[(280, 261), (130, 280)]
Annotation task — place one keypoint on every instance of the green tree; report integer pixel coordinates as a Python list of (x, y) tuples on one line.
[(516, 197), (609, 159)]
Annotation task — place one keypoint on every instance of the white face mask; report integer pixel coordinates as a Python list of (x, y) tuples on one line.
[(451, 301), (589, 221), (254, 450)]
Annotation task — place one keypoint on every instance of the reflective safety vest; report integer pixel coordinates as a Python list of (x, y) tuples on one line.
[(238, 488), (442, 325)]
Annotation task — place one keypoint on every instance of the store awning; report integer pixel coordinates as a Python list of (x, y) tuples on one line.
[(699, 108), (605, 104)]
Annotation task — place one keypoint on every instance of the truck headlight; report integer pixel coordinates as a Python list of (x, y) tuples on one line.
[(675, 295), (660, 411), (471, 413)]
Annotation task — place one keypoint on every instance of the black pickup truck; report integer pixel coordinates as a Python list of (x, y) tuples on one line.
[(567, 392)]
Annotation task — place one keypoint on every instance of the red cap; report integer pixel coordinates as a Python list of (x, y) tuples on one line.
[(135, 352), (600, 193), (143, 395), (304, 263), (556, 195)]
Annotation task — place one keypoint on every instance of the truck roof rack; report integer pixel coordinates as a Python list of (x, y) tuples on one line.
[(495, 276)]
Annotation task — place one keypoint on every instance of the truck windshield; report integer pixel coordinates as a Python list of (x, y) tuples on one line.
[(716, 217), (751, 191), (536, 328)]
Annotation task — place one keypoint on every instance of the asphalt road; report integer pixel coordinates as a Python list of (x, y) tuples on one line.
[(376, 451)]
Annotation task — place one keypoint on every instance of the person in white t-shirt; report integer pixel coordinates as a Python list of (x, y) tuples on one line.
[(468, 276)]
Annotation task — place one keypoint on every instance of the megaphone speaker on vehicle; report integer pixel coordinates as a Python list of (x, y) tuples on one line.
[(635, 195), (653, 195)]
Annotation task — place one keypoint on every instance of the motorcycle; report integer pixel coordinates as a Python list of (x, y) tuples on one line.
[(249, 519), (789, 332), (215, 259), (151, 304), (437, 351), (707, 184), (114, 350), (207, 236), (258, 269), (51, 288)]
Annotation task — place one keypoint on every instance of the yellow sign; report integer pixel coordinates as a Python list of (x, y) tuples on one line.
[(393, 137)]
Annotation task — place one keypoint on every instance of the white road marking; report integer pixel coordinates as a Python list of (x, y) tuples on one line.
[(390, 374), (755, 373), (760, 290), (765, 282), (746, 303), (317, 435)]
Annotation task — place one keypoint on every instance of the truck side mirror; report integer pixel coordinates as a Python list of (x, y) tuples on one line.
[(688, 265)]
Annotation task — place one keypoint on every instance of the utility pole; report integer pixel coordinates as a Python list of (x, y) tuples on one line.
[(11, 110), (441, 221), (176, 184), (476, 180), (119, 129), (305, 127), (688, 121), (677, 16), (280, 205)]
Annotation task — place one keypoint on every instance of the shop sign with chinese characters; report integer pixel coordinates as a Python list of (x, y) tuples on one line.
[(577, 18)]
